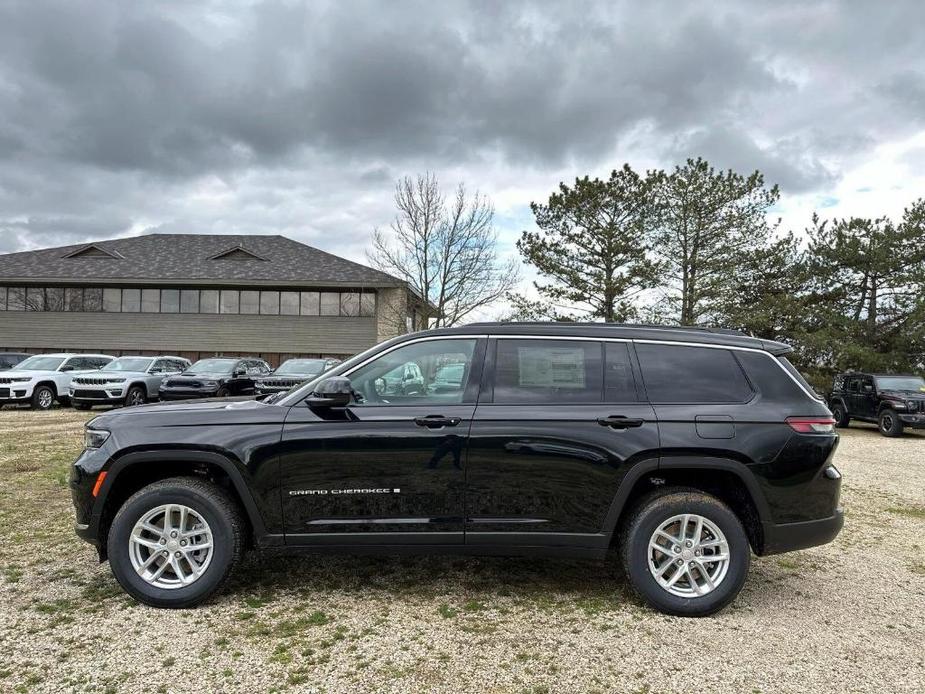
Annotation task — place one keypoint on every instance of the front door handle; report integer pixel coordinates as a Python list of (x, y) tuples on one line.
[(436, 421), (620, 422)]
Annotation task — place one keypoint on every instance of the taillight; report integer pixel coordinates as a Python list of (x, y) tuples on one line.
[(812, 425)]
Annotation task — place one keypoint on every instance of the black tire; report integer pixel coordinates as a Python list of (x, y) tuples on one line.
[(82, 406), (651, 512), (223, 392), (842, 420), (215, 506), (135, 396), (889, 423), (43, 397)]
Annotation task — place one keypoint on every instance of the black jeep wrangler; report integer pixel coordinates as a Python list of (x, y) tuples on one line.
[(891, 401), (676, 452)]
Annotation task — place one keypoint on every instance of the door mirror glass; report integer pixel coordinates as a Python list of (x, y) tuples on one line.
[(336, 391)]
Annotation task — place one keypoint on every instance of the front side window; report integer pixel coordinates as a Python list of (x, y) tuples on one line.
[(415, 374), (548, 371), (680, 374)]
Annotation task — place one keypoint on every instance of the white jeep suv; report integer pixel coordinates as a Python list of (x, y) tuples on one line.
[(44, 378)]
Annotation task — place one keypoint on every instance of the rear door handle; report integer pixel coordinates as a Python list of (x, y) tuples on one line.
[(620, 422), (436, 421)]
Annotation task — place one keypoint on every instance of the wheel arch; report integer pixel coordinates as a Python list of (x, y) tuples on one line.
[(727, 479), (133, 471)]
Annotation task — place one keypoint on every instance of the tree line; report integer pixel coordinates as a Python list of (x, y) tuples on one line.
[(689, 246)]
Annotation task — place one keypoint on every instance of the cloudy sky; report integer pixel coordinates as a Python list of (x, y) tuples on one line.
[(119, 117)]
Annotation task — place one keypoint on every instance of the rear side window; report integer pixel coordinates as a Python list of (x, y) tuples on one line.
[(548, 371), (798, 377), (679, 374)]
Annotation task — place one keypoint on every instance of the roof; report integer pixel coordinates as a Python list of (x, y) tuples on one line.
[(660, 333), (192, 259)]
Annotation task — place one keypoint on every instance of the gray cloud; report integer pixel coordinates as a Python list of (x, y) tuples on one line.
[(295, 118)]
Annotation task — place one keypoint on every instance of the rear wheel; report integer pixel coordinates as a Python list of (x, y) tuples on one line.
[(175, 542), (43, 397), (685, 552), (135, 396), (890, 424), (840, 415)]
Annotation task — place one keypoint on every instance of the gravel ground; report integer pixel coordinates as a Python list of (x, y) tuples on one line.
[(844, 617)]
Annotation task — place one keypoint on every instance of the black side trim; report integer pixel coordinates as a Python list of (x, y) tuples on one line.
[(788, 537)]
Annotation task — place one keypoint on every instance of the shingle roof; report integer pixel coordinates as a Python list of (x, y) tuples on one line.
[(192, 257)]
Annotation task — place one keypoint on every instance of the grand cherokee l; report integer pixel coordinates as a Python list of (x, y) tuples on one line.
[(217, 377), (44, 378), (676, 452), (125, 381), (291, 373)]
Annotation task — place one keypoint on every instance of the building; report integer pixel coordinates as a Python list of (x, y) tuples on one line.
[(200, 295)]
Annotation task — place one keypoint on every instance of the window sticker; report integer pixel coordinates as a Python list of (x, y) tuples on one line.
[(551, 367)]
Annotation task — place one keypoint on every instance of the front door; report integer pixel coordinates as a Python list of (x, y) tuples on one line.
[(867, 398), (393, 462), (558, 426)]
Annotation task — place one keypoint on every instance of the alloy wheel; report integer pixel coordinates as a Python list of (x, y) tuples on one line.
[(171, 546), (688, 555), (45, 399)]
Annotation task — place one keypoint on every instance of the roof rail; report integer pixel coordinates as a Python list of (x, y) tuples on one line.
[(647, 326)]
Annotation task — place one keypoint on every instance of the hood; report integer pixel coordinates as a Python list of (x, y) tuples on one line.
[(905, 394), (13, 373), (103, 373), (187, 406), (203, 374)]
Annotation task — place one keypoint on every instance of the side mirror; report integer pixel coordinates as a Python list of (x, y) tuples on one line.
[(238, 372), (331, 392), (67, 367)]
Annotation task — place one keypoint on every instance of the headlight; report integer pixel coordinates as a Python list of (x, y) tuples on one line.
[(259, 384), (21, 379), (94, 438), (116, 380), (209, 384)]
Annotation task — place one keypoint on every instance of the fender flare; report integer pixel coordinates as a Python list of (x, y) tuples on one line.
[(840, 399), (653, 467), (128, 460)]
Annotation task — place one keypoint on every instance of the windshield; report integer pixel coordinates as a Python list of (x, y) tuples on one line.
[(913, 383), (40, 363), (301, 367), (212, 366), (129, 364)]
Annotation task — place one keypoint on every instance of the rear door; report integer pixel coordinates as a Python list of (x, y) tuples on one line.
[(559, 424)]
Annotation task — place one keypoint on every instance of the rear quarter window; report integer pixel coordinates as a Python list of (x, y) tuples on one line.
[(681, 374)]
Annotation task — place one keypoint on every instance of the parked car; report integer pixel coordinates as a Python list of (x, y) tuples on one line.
[(127, 381), (10, 359), (291, 373), (219, 377), (675, 452), (891, 401), (42, 379)]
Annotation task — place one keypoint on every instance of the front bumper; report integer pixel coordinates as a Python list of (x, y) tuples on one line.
[(185, 393), (96, 396), (15, 392), (915, 421), (788, 537)]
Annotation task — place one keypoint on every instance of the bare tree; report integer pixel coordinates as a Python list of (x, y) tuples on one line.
[(446, 251)]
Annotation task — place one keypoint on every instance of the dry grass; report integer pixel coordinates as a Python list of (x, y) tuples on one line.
[(845, 616)]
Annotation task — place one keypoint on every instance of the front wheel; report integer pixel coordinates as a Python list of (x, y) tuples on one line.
[(43, 397), (685, 552), (889, 424), (135, 396), (175, 542), (223, 392)]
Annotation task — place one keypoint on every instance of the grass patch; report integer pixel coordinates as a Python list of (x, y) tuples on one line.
[(446, 611), (917, 512)]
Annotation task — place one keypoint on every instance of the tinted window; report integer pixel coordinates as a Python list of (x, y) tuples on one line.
[(189, 301), (548, 371), (170, 301), (112, 300), (691, 374), (93, 299), (309, 303), (408, 375), (131, 300), (367, 304), (250, 301), (330, 304), (74, 299), (289, 303), (150, 300), (208, 301), (269, 303), (2, 298), (853, 385), (619, 383), (229, 301)]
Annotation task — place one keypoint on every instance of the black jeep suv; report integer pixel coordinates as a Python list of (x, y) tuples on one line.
[(676, 451), (219, 377), (891, 401)]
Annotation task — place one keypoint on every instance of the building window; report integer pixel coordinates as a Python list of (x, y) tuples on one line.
[(170, 301), (112, 300), (367, 304), (150, 300), (189, 301), (73, 299), (93, 299), (2, 298), (269, 303), (350, 304), (250, 302), (131, 300), (208, 301), (330, 304), (229, 301), (289, 303), (309, 303), (16, 299)]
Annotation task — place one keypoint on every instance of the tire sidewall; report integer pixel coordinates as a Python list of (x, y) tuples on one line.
[(35, 398), (128, 396), (841, 417), (637, 560), (896, 429), (118, 547), (223, 392)]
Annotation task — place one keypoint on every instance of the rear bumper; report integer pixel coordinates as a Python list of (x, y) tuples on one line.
[(788, 537)]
